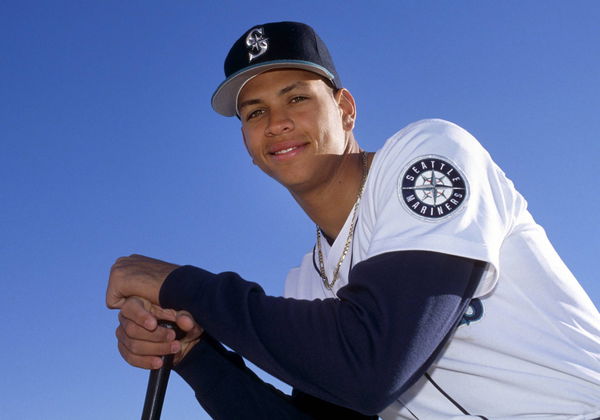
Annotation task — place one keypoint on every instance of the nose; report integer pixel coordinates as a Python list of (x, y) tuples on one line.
[(279, 123)]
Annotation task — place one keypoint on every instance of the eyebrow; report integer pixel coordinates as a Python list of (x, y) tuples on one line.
[(283, 91)]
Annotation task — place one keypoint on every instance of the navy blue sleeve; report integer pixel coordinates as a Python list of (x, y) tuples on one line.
[(361, 351), (227, 389)]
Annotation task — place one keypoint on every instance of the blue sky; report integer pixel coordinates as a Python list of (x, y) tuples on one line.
[(108, 146)]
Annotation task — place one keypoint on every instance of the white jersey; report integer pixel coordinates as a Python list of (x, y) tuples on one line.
[(529, 345)]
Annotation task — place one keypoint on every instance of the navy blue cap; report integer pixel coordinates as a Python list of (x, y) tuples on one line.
[(271, 46)]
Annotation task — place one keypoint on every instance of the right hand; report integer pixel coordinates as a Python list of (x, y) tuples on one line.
[(142, 342)]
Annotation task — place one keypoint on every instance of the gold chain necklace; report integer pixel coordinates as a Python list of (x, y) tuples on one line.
[(336, 272)]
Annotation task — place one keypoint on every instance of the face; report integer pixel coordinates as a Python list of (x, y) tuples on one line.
[(294, 126)]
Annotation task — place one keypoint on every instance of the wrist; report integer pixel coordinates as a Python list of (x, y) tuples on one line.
[(186, 349)]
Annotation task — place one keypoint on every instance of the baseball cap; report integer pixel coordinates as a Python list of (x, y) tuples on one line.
[(271, 46)]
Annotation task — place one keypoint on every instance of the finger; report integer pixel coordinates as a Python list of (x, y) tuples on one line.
[(137, 332), (163, 314), (137, 347), (114, 298), (193, 333), (145, 362), (138, 310), (185, 321)]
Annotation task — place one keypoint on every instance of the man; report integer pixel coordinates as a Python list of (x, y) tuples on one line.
[(431, 293)]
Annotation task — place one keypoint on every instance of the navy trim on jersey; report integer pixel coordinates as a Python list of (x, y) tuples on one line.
[(314, 253), (413, 414), (314, 259), (449, 398), (361, 351)]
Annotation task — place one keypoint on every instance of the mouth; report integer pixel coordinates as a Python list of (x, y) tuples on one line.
[(285, 151)]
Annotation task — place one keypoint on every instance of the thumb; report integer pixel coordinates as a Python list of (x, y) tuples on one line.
[(114, 301), (185, 321)]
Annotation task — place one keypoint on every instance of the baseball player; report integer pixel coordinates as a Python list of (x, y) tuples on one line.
[(430, 293)]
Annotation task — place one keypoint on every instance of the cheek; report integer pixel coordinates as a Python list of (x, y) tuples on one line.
[(249, 141), (331, 127), (253, 143), (325, 118)]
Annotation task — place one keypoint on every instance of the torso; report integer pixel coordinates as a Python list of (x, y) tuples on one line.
[(530, 342)]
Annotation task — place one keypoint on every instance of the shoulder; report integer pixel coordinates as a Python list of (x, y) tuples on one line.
[(432, 134), (431, 138)]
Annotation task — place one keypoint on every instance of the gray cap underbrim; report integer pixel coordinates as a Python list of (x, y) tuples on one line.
[(224, 100)]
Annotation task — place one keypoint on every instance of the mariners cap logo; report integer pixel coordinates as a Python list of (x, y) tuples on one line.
[(257, 43), (432, 188)]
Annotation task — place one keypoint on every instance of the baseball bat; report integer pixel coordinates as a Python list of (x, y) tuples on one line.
[(158, 381)]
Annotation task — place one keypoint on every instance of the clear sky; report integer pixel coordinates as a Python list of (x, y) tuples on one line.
[(108, 146)]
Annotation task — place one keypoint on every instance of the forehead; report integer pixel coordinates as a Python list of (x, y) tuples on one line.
[(273, 81)]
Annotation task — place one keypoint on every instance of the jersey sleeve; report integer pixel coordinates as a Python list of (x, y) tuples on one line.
[(361, 351), (227, 389), (435, 188)]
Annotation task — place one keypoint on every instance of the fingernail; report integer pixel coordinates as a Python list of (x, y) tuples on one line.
[(157, 363), (175, 347)]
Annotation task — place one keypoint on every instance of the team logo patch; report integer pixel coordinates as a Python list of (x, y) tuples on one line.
[(257, 43), (473, 313), (432, 188)]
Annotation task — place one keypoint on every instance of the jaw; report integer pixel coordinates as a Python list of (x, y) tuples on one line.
[(313, 180)]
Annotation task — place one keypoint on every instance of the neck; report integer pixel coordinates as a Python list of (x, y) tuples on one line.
[(329, 204)]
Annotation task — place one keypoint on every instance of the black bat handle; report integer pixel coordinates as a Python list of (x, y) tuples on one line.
[(157, 382)]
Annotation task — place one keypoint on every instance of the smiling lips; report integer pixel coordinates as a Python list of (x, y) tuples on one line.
[(284, 151), (280, 152)]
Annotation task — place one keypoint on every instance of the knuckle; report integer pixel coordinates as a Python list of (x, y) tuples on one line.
[(115, 266), (129, 329), (122, 333), (133, 346), (123, 352), (128, 357), (115, 271)]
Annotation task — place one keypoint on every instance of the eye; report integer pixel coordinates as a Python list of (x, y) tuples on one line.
[(254, 114), (297, 99)]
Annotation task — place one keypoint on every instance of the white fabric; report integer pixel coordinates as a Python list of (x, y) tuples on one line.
[(535, 351)]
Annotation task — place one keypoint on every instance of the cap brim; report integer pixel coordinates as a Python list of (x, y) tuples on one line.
[(224, 100)]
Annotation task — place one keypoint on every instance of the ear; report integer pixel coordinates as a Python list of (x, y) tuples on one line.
[(246, 144), (347, 106)]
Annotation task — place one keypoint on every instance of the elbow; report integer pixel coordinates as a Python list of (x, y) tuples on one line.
[(374, 401), (373, 392)]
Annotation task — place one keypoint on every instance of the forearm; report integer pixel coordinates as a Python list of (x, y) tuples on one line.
[(361, 351), (227, 389)]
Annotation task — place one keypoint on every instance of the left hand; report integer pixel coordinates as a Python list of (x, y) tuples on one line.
[(141, 341), (136, 275)]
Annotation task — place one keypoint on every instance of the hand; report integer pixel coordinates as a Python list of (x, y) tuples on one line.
[(136, 275), (141, 342)]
